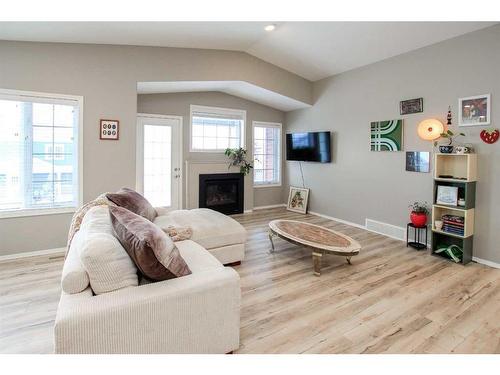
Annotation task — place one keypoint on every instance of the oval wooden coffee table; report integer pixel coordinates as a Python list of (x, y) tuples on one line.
[(319, 239)]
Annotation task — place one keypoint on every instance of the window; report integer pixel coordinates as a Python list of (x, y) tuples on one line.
[(215, 129), (39, 148), (267, 153)]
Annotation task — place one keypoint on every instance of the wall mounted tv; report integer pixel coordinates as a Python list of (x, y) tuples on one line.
[(312, 146)]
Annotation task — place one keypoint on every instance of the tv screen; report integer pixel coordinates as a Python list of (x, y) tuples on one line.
[(313, 146)]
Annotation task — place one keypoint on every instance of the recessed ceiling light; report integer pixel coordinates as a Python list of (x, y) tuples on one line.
[(270, 27)]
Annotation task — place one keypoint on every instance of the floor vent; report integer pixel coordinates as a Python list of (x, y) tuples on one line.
[(388, 230)]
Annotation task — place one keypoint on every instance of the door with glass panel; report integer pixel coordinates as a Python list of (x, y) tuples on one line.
[(159, 147)]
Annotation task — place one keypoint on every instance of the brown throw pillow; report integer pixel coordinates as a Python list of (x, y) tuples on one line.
[(152, 251), (133, 201)]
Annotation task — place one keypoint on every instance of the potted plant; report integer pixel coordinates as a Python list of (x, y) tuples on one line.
[(448, 149), (237, 158), (419, 212)]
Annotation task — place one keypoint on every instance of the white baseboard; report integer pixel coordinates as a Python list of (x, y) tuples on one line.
[(362, 226), (389, 230), (337, 219), (58, 250), (270, 206), (486, 262), (247, 211)]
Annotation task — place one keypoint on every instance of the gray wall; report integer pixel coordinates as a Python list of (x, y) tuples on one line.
[(179, 104), (107, 77), (360, 184)]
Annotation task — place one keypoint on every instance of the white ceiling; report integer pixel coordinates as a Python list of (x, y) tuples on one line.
[(241, 89), (313, 50)]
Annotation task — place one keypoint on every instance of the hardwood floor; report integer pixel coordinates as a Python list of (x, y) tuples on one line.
[(390, 300)]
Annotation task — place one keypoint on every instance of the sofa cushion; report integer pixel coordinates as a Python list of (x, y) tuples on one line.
[(133, 201), (107, 263), (211, 229), (151, 249), (74, 278)]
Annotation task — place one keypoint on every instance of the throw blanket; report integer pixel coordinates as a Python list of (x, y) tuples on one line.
[(176, 233), (77, 219)]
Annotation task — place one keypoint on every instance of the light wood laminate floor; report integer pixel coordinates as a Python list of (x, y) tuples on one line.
[(392, 299)]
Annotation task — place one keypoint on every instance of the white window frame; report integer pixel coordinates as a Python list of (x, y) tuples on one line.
[(280, 148), (40, 97), (220, 111)]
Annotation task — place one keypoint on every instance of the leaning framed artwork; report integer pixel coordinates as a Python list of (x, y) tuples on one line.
[(386, 135), (474, 110), (297, 199)]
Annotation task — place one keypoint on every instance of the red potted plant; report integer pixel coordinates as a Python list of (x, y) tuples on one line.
[(419, 212)]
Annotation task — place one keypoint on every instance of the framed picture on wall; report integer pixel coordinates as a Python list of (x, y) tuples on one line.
[(297, 199), (417, 161), (474, 110), (109, 130), (386, 135), (407, 107)]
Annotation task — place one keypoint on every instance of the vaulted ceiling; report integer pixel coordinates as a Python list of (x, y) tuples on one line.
[(313, 50)]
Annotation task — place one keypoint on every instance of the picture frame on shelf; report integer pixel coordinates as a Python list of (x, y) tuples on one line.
[(109, 130), (474, 110), (447, 195), (410, 106), (297, 199)]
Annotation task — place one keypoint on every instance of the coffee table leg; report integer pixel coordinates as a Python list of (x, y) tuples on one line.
[(317, 263), (348, 260), (271, 234)]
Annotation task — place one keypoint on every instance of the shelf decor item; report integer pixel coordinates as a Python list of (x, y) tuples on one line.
[(474, 110), (447, 195), (451, 137), (418, 214), (407, 107), (453, 252), (237, 158), (490, 136), (430, 129), (297, 199), (109, 130), (386, 135)]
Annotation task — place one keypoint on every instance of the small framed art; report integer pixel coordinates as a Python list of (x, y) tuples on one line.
[(407, 107), (417, 161), (297, 199), (447, 195), (474, 110), (109, 130)]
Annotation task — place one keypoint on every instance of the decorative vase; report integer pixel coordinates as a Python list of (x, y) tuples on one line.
[(418, 219), (438, 224), (446, 149)]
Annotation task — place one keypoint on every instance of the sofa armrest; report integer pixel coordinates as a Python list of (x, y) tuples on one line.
[(198, 313)]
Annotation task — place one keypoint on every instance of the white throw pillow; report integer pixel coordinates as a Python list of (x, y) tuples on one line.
[(74, 277), (107, 263)]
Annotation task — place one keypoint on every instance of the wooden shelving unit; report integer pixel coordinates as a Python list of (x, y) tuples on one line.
[(461, 172)]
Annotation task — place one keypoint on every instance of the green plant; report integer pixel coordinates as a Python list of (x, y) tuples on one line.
[(419, 207), (450, 136), (237, 158)]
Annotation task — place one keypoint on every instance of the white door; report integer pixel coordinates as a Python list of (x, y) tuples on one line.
[(159, 158)]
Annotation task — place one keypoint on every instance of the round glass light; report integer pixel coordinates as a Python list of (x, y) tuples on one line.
[(430, 129)]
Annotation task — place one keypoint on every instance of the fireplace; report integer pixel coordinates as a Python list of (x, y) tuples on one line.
[(222, 192)]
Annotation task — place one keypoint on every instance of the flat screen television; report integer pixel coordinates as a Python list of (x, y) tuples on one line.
[(312, 146)]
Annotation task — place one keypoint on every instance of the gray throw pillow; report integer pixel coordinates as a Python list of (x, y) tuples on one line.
[(151, 249), (133, 201)]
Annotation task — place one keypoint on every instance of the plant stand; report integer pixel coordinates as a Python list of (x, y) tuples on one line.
[(417, 236)]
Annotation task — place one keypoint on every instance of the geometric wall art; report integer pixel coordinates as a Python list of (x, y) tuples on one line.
[(386, 135)]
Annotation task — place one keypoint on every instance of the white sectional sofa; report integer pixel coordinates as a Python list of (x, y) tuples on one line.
[(198, 313)]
